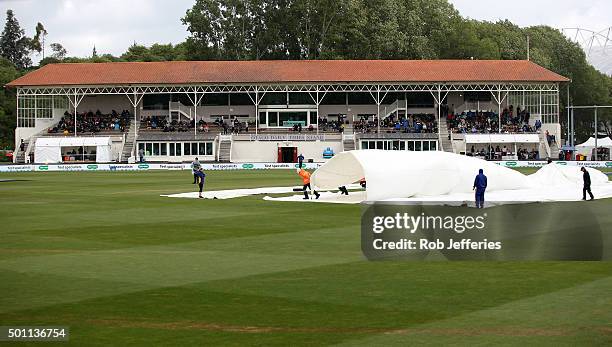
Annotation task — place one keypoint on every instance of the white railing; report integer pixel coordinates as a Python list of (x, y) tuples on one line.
[(348, 137), (30, 148), (544, 144), (390, 109), (122, 147), (177, 106), (287, 137)]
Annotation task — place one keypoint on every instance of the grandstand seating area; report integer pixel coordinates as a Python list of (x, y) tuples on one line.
[(163, 124), (416, 123), (487, 122), (92, 123)]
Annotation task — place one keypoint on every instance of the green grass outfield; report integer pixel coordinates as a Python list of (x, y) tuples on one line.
[(104, 254)]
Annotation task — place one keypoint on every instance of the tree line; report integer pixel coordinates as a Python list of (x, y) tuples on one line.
[(326, 29)]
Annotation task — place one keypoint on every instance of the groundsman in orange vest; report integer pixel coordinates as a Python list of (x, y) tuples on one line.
[(305, 175)]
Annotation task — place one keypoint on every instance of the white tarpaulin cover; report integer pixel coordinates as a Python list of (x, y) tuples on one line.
[(442, 176), (403, 174), (48, 149), (430, 176)]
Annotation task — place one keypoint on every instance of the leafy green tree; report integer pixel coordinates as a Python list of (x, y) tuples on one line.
[(37, 43), (59, 52), (160, 52), (14, 45), (157, 52), (8, 118), (204, 22)]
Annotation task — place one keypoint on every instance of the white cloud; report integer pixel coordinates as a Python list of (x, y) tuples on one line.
[(111, 25), (588, 14)]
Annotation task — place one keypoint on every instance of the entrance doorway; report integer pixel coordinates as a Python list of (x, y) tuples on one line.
[(287, 154)]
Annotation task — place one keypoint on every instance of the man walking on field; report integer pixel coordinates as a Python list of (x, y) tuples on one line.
[(306, 180), (586, 188)]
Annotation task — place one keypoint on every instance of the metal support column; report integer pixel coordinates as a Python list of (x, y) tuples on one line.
[(439, 112), (75, 105), (317, 100), (378, 109), (136, 125), (195, 115), (318, 103), (135, 99), (75, 114), (256, 111), (499, 109), (256, 102)]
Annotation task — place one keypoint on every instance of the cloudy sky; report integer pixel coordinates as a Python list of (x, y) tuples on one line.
[(113, 25)]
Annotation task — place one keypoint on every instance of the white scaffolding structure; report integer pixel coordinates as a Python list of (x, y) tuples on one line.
[(571, 129)]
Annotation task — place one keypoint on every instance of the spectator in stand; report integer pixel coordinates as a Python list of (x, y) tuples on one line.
[(90, 122), (548, 138), (141, 154), (538, 125)]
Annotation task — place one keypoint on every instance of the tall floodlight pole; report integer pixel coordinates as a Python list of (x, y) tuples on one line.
[(569, 142), (596, 155), (75, 113), (572, 126), (528, 48)]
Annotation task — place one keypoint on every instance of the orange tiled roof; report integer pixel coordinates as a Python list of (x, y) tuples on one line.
[(281, 71)]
